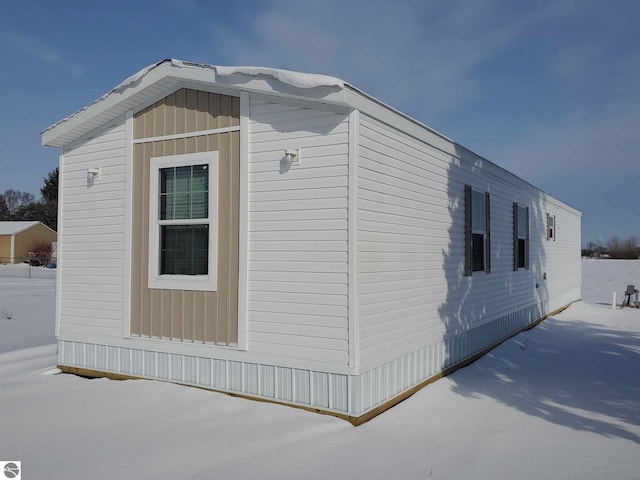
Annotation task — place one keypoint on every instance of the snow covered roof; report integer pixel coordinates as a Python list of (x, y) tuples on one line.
[(11, 228), (155, 79), (296, 79)]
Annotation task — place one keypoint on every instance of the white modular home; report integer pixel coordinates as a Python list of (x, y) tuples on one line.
[(287, 237)]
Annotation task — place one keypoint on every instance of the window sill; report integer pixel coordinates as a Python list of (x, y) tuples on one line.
[(183, 282)]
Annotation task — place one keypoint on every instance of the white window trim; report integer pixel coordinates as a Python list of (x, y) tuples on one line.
[(184, 282)]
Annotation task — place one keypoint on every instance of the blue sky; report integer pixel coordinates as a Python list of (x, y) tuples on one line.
[(547, 89)]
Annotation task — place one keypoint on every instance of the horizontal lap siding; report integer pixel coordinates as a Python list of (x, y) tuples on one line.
[(297, 291), (91, 236), (403, 221), (412, 291), (562, 255)]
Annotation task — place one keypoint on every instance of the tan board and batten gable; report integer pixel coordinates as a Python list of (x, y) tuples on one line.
[(341, 280), (187, 315)]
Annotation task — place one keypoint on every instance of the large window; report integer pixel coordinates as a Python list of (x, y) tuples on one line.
[(477, 231), (183, 221), (520, 237)]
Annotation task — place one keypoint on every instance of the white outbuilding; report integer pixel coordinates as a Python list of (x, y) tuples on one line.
[(287, 237)]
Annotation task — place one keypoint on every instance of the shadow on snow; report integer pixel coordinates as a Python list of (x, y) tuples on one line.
[(571, 373)]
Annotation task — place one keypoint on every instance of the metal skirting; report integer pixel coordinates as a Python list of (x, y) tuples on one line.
[(349, 396), (302, 387), (382, 384)]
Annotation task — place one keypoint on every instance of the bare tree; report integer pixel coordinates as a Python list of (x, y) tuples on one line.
[(623, 248), (4, 210), (14, 199)]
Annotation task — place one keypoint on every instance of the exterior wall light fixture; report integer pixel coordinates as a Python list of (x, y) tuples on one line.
[(292, 157), (93, 174)]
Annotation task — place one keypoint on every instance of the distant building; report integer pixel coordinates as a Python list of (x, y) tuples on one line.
[(17, 239), (287, 237)]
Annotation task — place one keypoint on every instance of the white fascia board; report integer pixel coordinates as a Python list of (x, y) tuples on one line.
[(106, 108)]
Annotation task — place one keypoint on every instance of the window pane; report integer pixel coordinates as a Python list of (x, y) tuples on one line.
[(199, 205), (165, 187), (162, 207), (522, 222), (181, 207), (478, 252), (200, 192), (521, 253), (182, 179), (184, 249), (166, 177), (183, 192), (200, 181), (477, 212)]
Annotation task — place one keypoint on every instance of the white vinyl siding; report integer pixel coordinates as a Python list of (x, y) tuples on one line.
[(91, 241), (297, 252), (412, 288), (403, 222)]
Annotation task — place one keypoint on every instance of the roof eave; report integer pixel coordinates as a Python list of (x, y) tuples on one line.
[(103, 110), (162, 77)]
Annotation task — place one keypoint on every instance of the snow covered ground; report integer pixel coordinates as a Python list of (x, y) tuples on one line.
[(561, 401)]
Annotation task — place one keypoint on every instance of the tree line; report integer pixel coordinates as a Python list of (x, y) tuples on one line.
[(615, 247), (22, 206)]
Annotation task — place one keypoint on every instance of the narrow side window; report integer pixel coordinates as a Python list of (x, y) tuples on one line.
[(477, 231), (520, 237)]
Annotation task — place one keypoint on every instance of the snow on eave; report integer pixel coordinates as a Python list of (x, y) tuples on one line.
[(130, 92), (295, 79)]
